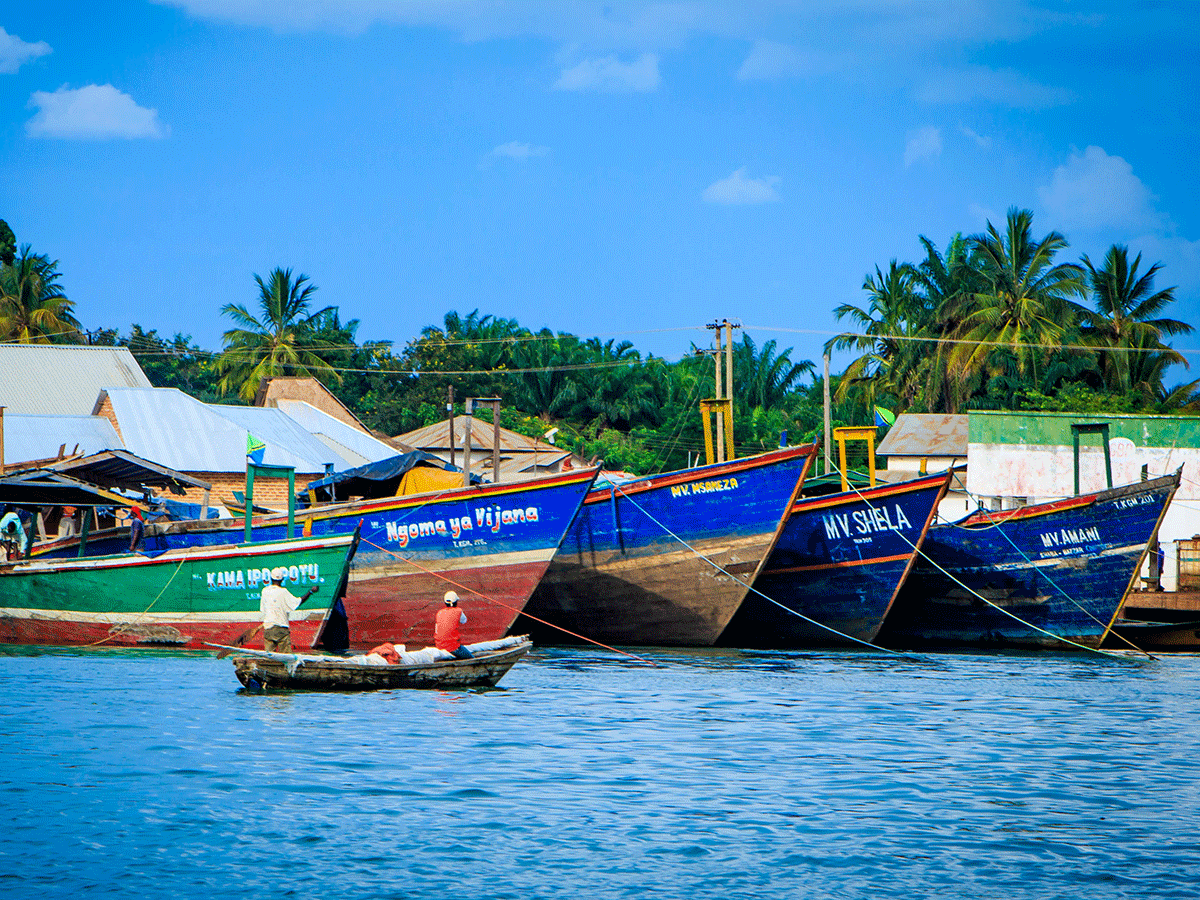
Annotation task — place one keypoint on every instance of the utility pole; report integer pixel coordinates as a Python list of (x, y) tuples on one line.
[(729, 366), (470, 409), (828, 416), (450, 416)]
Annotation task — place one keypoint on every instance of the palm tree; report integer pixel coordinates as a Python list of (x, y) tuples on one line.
[(473, 343), (943, 281), (283, 341), (889, 359), (33, 307), (1125, 325), (1024, 307), (763, 378), (619, 390), (549, 384)]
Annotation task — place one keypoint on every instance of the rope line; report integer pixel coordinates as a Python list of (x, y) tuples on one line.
[(750, 587), (519, 612), (1038, 572), (122, 629), (995, 606)]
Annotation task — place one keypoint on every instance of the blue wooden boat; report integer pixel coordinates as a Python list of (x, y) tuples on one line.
[(646, 561), (1063, 567), (839, 562)]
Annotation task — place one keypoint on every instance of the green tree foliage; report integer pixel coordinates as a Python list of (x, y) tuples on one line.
[(1023, 310), (472, 350), (8, 244), (943, 282), (174, 363), (282, 340), (33, 307), (1126, 324), (883, 336), (995, 322), (766, 379), (548, 376)]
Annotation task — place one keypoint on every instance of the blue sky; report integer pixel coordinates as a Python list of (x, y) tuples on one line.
[(628, 169)]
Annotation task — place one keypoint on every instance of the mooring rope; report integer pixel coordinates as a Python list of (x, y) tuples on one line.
[(750, 587), (122, 629), (995, 606), (519, 612), (992, 523)]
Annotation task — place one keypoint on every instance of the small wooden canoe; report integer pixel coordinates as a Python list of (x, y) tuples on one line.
[(261, 671)]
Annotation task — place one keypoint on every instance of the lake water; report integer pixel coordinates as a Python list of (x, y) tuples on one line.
[(712, 774)]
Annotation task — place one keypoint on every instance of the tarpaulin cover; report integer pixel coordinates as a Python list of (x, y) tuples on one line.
[(377, 479), (421, 479)]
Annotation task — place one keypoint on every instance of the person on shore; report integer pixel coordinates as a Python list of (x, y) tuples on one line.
[(447, 628), (137, 529), (277, 604)]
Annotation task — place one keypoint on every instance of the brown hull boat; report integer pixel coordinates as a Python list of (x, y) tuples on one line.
[(263, 671)]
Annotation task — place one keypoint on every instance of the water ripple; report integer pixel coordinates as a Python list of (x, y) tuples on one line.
[(711, 774)]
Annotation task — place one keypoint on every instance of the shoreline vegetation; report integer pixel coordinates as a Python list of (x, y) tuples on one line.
[(998, 320)]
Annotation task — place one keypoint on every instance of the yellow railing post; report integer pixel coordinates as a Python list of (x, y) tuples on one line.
[(723, 407), (855, 433)]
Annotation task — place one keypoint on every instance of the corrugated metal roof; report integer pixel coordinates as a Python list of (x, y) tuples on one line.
[(120, 469), (169, 427), (43, 487), (56, 379), (277, 429), (350, 442), (926, 434), (524, 466), (437, 437), (38, 438)]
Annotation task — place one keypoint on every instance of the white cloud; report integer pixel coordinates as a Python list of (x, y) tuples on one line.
[(1093, 191), (15, 52), (518, 150), (981, 215), (95, 111), (610, 75), (738, 190), (1180, 260), (625, 27), (924, 143), (769, 60), (1005, 87), (980, 140)]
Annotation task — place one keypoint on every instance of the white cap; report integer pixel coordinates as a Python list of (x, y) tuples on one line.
[(278, 574), (451, 598)]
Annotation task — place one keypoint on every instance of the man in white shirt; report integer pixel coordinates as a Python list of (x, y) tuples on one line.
[(277, 604)]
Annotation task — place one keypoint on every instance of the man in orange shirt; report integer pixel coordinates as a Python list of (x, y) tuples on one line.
[(447, 634)]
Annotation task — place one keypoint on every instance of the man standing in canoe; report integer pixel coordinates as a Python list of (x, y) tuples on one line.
[(447, 634), (277, 604)]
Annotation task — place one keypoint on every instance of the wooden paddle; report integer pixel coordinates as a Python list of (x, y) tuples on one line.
[(338, 592), (240, 640), (249, 633)]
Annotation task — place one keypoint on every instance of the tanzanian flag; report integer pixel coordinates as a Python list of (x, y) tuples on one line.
[(255, 449), (884, 417)]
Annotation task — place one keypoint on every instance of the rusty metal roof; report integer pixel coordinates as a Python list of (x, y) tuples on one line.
[(120, 469), (436, 437), (926, 434)]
